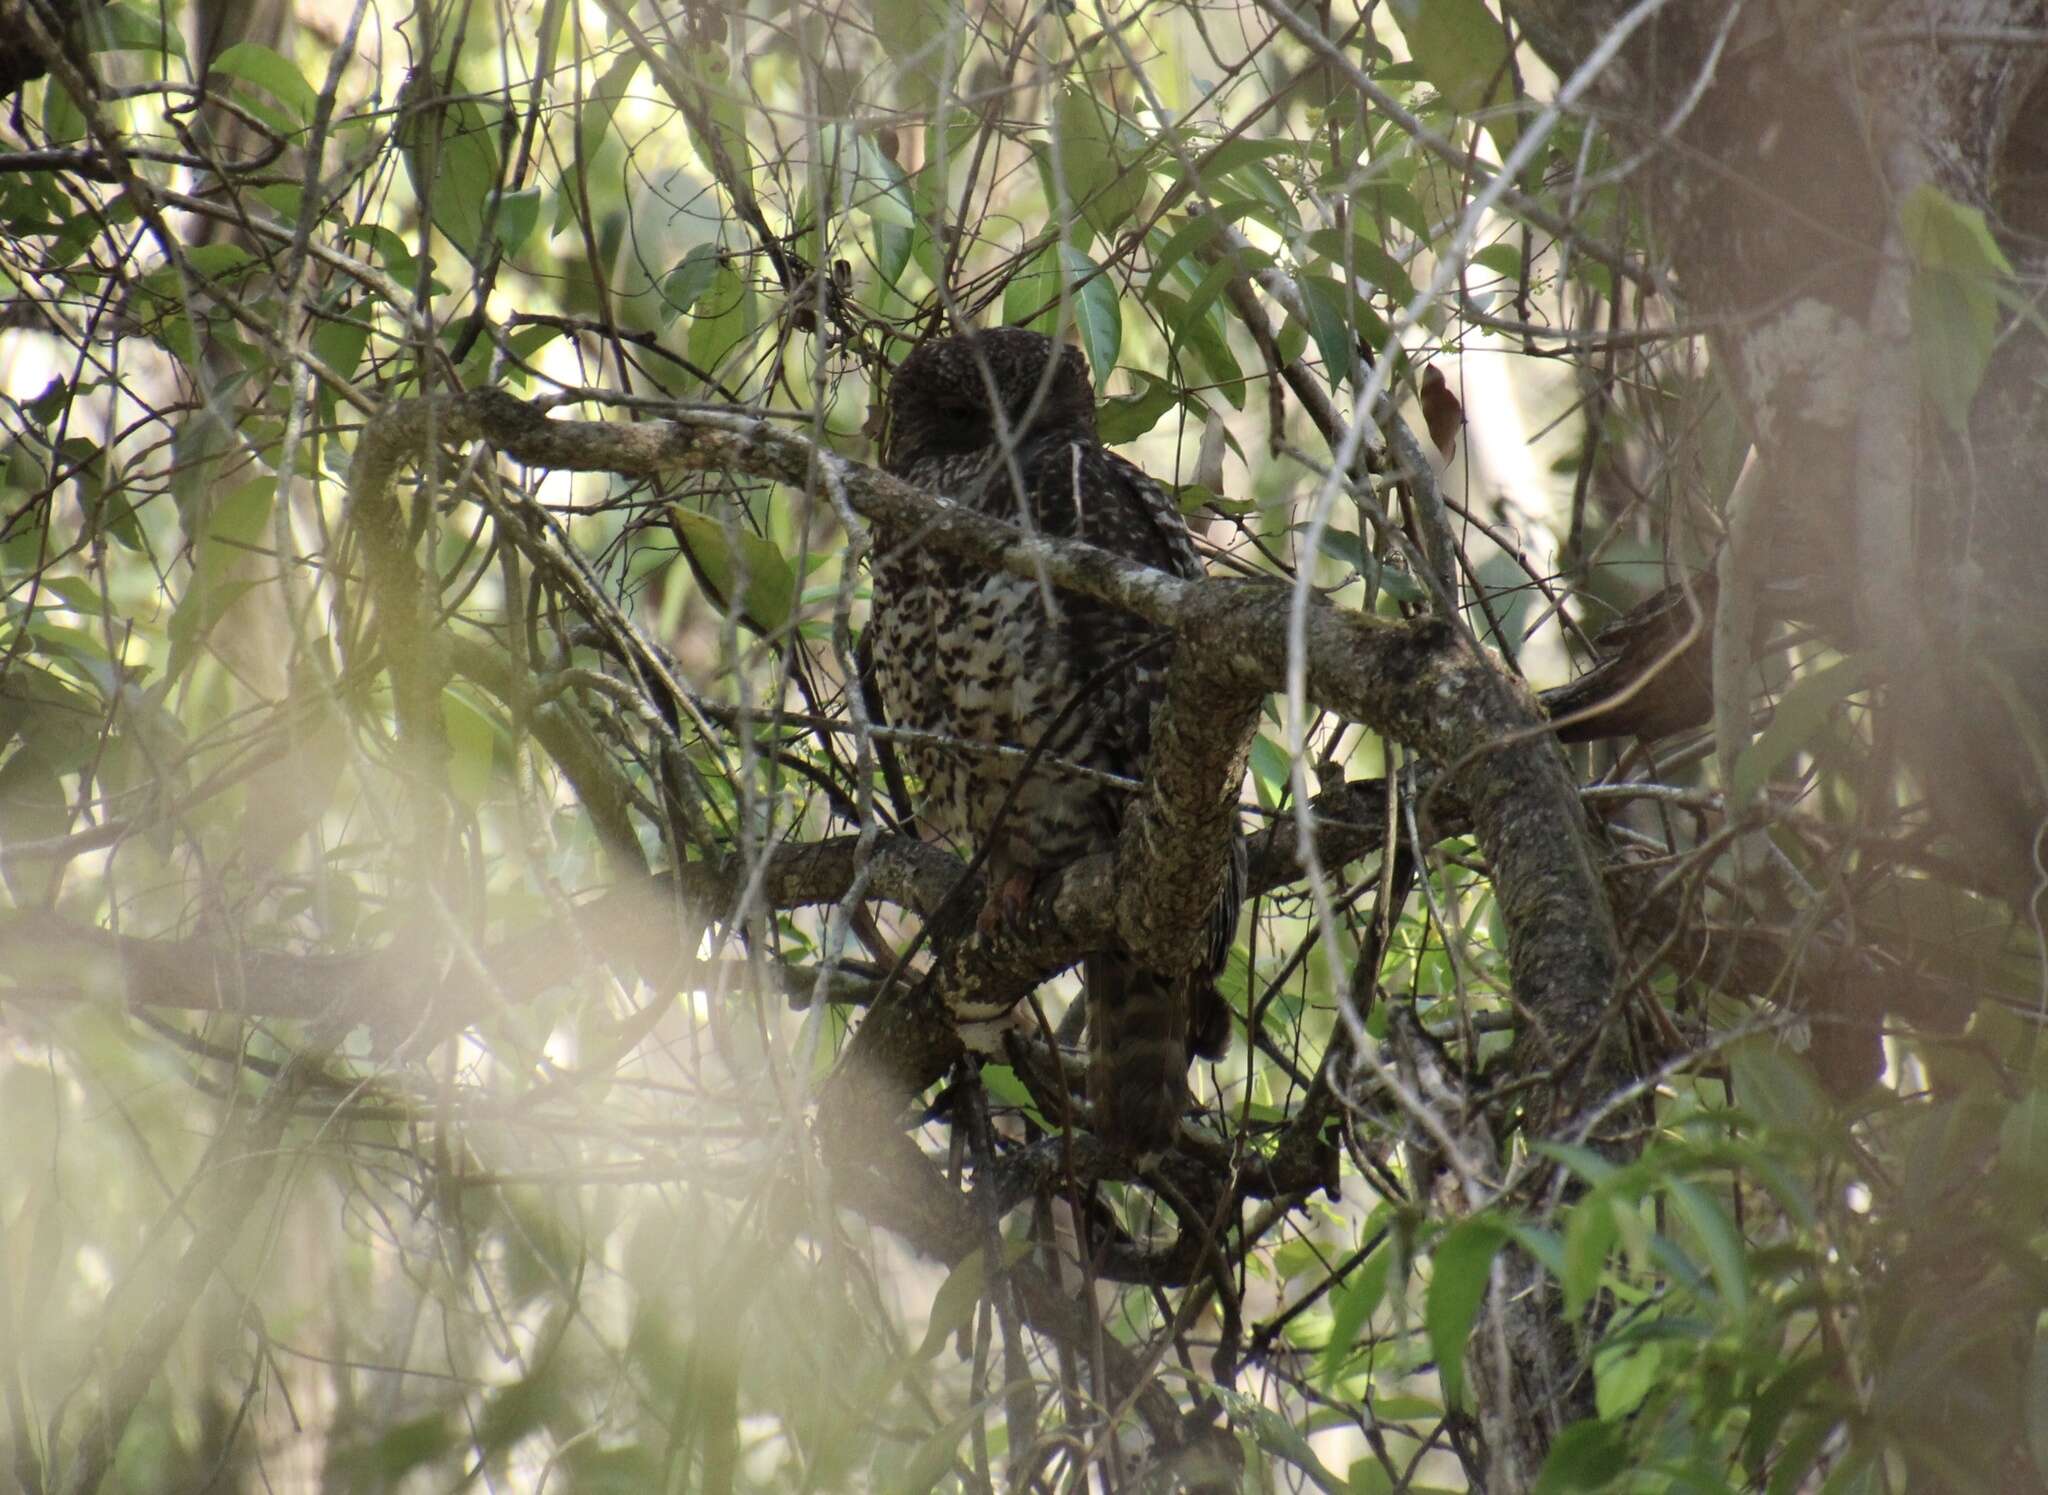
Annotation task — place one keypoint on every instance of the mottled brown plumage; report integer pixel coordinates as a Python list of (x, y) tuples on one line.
[(1004, 422)]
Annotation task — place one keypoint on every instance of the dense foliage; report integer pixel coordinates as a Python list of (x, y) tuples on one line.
[(400, 1104)]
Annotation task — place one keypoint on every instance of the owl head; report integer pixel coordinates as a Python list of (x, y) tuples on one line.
[(944, 396)]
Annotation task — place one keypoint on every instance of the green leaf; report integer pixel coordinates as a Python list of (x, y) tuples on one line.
[(1327, 306), (595, 122), (917, 36), (1093, 306), (1271, 770), (724, 317), (1237, 168), (1393, 202), (451, 154), (1407, 1409), (1776, 1085), (512, 1411), (1217, 276), (1716, 1234), (1031, 298), (163, 289), (55, 722), (593, 125), (472, 741), (1344, 545), (1585, 1457), (1800, 1452), (1944, 234), (1459, 1269), (1954, 297), (592, 1470), (123, 28), (406, 1447), (717, 557), (1505, 260), (948, 138), (716, 122), (255, 63), (1367, 1476), (238, 523), (1799, 717), (1588, 1237), (1005, 1089), (339, 340), (1098, 312), (892, 251), (1093, 176), (1196, 233), (1952, 343), (933, 1458), (1784, 1394), (954, 1303), (63, 121), (392, 253), (218, 261), (1622, 1378), (880, 188), (33, 807), (893, 213), (518, 215), (1462, 49), (1352, 1303), (834, 181), (687, 283), (1284, 1441), (524, 342), (1367, 257), (1196, 334), (1127, 417)]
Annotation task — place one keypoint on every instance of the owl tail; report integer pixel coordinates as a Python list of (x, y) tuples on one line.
[(1137, 1052)]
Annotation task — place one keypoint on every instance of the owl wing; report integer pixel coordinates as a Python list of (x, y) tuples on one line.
[(1154, 506), (1078, 489)]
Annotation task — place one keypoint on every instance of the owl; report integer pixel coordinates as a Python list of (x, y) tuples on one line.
[(1003, 422)]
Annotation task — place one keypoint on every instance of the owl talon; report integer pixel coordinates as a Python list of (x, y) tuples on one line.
[(1007, 905)]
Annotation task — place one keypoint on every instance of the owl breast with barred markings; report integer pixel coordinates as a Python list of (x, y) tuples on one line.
[(1003, 422)]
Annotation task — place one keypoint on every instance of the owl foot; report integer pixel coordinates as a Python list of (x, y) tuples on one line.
[(1007, 905)]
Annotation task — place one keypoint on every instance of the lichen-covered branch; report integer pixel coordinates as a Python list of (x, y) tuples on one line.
[(1417, 683)]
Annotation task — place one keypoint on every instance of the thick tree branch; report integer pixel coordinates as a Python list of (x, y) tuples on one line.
[(1176, 841), (1772, 171), (1417, 683)]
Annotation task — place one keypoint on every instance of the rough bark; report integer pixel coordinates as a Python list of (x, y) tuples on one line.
[(1774, 146), (1779, 146)]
